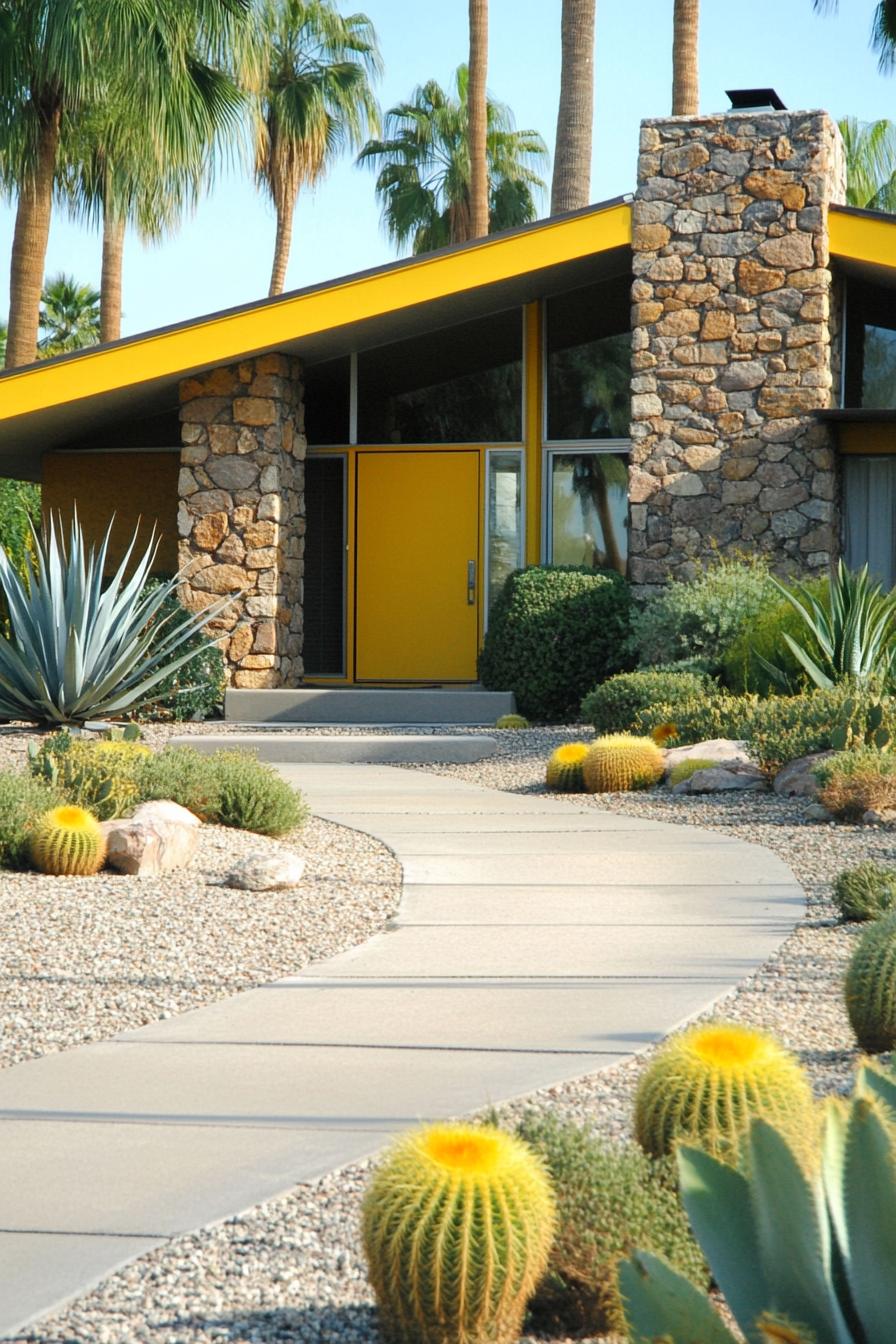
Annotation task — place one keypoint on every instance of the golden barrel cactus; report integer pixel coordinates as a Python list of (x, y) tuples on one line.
[(706, 1084), (512, 721), (620, 762), (564, 770), (457, 1226), (68, 841)]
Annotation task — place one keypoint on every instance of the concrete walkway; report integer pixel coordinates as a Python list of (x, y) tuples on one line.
[(536, 941)]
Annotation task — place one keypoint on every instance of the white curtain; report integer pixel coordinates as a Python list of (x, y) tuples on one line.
[(869, 515)]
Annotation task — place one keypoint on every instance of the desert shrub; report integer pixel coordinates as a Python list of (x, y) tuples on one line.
[(684, 769), (612, 706), (700, 719), (610, 1198), (251, 796), (194, 691), (553, 632), (24, 799), (764, 638), (786, 727), (100, 776), (855, 782), (180, 775), (866, 891), (702, 617)]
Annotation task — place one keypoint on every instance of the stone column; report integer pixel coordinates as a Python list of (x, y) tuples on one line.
[(241, 516), (732, 342)]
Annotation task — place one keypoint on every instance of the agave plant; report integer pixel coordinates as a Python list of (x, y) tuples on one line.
[(850, 635), (80, 647), (801, 1246)]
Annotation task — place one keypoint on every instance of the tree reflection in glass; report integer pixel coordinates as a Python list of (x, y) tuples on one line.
[(589, 510)]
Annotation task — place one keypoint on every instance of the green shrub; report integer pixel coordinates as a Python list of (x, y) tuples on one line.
[(610, 1198), (196, 690), (553, 632), (702, 617), (701, 719), (251, 796), (684, 769), (99, 776), (23, 801), (613, 705), (180, 775), (764, 636), (866, 891), (855, 782)]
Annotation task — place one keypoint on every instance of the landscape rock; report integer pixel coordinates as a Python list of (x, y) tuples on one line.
[(723, 778), (818, 812), (721, 750), (885, 817), (162, 810), (262, 871), (141, 849), (797, 779)]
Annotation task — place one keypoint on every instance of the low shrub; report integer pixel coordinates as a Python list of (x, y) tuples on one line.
[(684, 769), (180, 775), (763, 638), (251, 796), (24, 799), (700, 719), (866, 891), (702, 617), (553, 632), (855, 782), (196, 690), (101, 776), (610, 1198), (613, 705)]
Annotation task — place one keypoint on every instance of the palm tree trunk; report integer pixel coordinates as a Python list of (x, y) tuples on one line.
[(29, 247), (110, 284), (477, 117), (282, 244), (571, 184), (685, 76)]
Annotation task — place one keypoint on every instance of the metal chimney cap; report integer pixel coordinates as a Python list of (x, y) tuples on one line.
[(754, 100)]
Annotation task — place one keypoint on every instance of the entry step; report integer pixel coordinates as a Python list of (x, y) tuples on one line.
[(355, 705), (289, 748)]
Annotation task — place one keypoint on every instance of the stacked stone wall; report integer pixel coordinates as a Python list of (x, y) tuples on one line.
[(241, 517), (734, 342)]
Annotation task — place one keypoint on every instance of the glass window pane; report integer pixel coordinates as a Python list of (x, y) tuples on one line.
[(327, 402), (589, 363), (505, 520), (324, 582), (460, 385), (589, 510), (869, 515), (879, 368)]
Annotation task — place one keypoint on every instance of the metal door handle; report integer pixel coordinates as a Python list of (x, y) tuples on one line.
[(471, 583)]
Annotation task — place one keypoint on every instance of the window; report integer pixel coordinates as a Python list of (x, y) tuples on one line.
[(324, 583), (869, 515), (588, 363), (870, 362), (588, 509), (327, 402), (504, 520), (462, 384)]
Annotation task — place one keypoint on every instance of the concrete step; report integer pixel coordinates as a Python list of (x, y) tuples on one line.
[(285, 747), (363, 705)]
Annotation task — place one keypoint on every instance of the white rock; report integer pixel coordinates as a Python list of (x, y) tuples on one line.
[(262, 871), (150, 813), (721, 778), (721, 750), (796, 779), (884, 817), (143, 850)]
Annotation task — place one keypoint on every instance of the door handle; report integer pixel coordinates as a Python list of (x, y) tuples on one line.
[(471, 583)]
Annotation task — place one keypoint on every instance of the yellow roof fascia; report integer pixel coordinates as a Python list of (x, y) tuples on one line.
[(225, 338), (863, 237)]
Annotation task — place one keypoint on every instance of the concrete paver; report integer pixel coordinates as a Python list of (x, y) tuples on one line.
[(536, 941)]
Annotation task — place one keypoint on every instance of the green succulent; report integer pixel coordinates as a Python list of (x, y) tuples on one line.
[(866, 891)]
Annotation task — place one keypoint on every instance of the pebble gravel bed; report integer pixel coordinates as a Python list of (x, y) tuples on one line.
[(293, 1270)]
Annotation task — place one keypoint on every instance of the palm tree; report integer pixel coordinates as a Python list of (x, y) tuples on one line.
[(571, 185), (883, 29), (870, 163), (69, 316), (685, 73), (477, 117), (314, 98), (423, 168), (56, 58)]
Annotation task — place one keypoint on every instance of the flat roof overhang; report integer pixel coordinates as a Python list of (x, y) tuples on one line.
[(863, 243), (66, 400)]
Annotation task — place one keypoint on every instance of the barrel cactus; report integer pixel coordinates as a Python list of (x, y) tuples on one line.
[(866, 891), (707, 1083), (68, 842), (564, 772), (689, 766), (871, 987), (512, 721), (457, 1227), (620, 762)]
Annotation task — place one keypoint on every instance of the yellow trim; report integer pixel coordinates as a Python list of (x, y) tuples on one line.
[(226, 338), (863, 238), (533, 364)]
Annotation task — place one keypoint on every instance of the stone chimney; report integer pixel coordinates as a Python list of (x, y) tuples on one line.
[(735, 342)]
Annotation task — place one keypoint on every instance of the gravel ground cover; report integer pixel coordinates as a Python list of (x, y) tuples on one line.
[(292, 1269)]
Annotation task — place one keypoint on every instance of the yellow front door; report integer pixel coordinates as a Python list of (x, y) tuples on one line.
[(417, 555)]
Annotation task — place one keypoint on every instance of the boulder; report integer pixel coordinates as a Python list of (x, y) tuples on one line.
[(266, 871), (817, 812), (150, 813), (796, 779), (723, 750), (885, 817), (143, 850), (724, 778)]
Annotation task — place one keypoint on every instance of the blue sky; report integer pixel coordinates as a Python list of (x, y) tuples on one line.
[(222, 254)]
